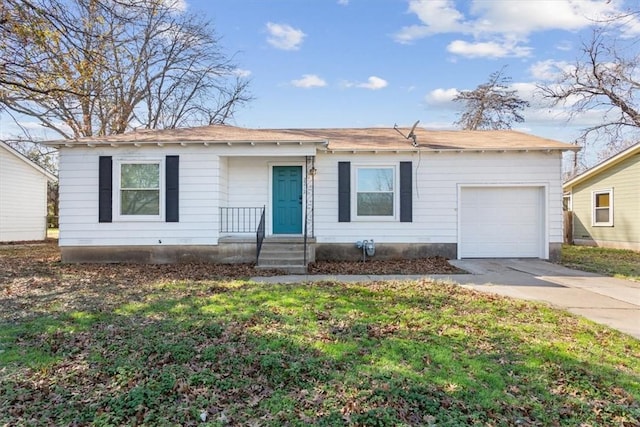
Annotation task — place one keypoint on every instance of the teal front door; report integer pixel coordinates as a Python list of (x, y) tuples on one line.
[(287, 200)]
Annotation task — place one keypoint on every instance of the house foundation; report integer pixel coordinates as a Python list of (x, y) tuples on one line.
[(385, 251), (244, 251)]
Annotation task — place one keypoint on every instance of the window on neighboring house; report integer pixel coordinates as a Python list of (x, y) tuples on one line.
[(567, 202), (602, 208), (140, 190), (375, 192)]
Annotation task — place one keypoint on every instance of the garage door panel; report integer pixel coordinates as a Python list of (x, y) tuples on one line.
[(501, 222)]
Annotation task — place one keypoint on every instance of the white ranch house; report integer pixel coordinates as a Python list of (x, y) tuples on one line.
[(200, 193), (23, 197)]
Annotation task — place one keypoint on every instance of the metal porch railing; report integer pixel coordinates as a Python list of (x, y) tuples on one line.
[(260, 235), (240, 220), (244, 220)]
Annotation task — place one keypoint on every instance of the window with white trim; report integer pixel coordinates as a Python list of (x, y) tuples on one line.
[(567, 202), (375, 195), (602, 208), (140, 190)]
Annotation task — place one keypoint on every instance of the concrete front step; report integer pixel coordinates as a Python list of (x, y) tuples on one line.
[(270, 253), (289, 260), (283, 254), (282, 247)]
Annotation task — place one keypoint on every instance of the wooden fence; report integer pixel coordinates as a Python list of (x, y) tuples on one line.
[(568, 227)]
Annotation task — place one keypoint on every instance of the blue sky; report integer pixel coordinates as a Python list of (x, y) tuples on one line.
[(363, 63), (360, 63)]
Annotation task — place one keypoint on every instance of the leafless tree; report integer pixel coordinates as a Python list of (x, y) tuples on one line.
[(100, 67), (605, 82), (492, 105)]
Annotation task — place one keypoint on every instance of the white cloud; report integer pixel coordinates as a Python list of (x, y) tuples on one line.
[(437, 16), (525, 17), (239, 72), (549, 70), (373, 83), (10, 129), (285, 37), (530, 92), (343, 2), (413, 32), (488, 49), (309, 81), (176, 5), (630, 27), (558, 116), (564, 45), (499, 28), (441, 97), (505, 17)]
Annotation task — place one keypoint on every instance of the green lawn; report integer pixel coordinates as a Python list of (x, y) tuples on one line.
[(161, 345), (624, 264)]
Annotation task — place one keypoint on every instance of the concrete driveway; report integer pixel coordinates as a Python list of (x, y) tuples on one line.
[(609, 301), (612, 302)]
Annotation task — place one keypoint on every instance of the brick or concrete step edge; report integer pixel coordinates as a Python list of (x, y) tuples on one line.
[(280, 252), (281, 261), (281, 248)]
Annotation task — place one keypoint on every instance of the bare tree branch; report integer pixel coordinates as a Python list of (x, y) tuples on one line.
[(605, 79), (99, 67), (491, 105)]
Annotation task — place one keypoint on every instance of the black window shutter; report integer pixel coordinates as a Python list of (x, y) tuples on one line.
[(406, 194), (344, 191), (105, 188), (172, 188)]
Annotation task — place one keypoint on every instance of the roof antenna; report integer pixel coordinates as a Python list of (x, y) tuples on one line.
[(411, 134)]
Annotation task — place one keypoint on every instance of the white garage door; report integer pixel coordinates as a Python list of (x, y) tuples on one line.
[(501, 222)]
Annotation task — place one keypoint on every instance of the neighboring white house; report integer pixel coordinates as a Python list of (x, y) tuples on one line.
[(198, 193), (23, 197)]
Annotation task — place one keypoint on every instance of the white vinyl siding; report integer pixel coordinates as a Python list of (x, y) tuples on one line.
[(207, 180), (23, 199), (211, 177), (435, 193), (199, 196)]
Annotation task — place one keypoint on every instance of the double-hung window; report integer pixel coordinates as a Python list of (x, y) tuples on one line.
[(375, 192), (140, 190), (602, 214)]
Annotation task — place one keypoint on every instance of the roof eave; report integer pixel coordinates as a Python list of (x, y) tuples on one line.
[(116, 143), (413, 149), (50, 177), (601, 167)]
